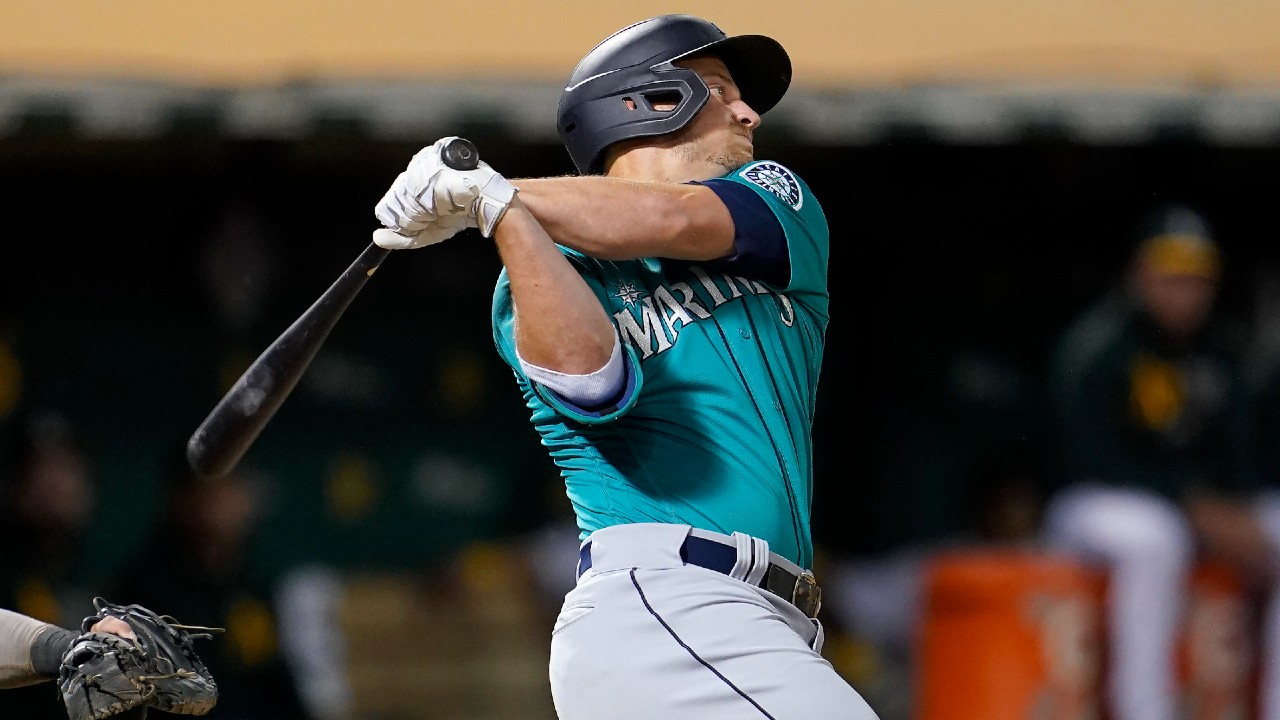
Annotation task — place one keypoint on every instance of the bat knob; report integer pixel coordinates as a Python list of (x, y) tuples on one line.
[(461, 154)]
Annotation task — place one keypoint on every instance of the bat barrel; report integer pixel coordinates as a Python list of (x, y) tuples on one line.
[(235, 422), (239, 417)]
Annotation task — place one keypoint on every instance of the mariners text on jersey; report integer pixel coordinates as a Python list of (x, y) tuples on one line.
[(680, 304)]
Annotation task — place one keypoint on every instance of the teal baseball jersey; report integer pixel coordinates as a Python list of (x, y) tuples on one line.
[(714, 427)]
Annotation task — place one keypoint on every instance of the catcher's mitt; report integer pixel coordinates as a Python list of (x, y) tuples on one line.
[(104, 674)]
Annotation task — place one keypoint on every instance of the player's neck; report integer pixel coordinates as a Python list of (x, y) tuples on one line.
[(656, 164)]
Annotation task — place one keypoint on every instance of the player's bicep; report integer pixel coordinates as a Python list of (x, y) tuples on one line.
[(695, 226)]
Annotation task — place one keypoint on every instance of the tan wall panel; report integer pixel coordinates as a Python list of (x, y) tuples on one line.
[(239, 41)]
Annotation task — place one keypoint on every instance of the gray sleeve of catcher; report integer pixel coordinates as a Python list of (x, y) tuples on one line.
[(17, 634)]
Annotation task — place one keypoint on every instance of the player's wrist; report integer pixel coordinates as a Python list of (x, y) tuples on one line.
[(48, 648)]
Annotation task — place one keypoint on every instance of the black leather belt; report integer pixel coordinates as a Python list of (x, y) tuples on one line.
[(800, 590)]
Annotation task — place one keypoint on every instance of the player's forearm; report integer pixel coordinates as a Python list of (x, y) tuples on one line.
[(612, 219), (29, 649), (559, 323)]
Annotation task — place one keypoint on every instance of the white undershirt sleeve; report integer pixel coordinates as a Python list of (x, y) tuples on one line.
[(588, 390)]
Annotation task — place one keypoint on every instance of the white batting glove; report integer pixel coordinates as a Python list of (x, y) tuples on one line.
[(401, 211), (439, 230), (409, 205), (429, 191)]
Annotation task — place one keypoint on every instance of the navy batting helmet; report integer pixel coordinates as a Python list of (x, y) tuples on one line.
[(637, 64)]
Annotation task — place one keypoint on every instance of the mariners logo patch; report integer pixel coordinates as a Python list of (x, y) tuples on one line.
[(777, 180)]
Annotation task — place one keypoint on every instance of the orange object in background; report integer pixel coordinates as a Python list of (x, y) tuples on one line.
[(1010, 635), (1021, 635), (1216, 649)]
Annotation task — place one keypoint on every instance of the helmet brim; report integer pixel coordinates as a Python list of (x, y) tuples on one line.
[(759, 65)]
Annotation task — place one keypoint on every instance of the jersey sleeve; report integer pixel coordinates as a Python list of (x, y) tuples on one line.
[(503, 316), (804, 224), (760, 246)]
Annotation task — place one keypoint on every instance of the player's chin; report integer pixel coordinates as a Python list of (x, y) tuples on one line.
[(733, 158)]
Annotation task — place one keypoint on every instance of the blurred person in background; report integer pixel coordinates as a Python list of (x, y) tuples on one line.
[(1148, 428), (195, 565), (49, 486)]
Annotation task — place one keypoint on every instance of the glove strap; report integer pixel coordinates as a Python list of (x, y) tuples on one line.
[(495, 198)]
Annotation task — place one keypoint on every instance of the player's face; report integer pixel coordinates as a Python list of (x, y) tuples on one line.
[(1179, 302), (720, 133)]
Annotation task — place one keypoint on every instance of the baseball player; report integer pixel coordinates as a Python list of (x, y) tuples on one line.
[(127, 660), (665, 314), (31, 651), (1145, 390)]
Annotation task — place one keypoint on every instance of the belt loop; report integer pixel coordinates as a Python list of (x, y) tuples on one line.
[(745, 561), (760, 551), (752, 560)]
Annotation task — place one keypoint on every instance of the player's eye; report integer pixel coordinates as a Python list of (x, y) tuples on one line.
[(717, 90)]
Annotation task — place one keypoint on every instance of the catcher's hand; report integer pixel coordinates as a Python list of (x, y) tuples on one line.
[(104, 674)]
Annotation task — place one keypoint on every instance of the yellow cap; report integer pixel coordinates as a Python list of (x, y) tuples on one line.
[(1182, 254)]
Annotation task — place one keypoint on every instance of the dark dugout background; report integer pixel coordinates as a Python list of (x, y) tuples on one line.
[(954, 267)]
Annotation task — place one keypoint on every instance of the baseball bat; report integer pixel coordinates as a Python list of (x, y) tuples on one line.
[(235, 422)]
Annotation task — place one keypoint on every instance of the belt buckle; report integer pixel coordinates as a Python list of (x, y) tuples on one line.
[(806, 595)]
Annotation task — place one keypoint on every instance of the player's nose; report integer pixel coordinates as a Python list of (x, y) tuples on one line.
[(744, 115)]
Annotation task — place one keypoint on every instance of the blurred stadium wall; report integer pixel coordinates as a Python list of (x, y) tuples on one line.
[(973, 70), (834, 43)]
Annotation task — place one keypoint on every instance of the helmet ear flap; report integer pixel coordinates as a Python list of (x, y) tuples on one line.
[(636, 111)]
